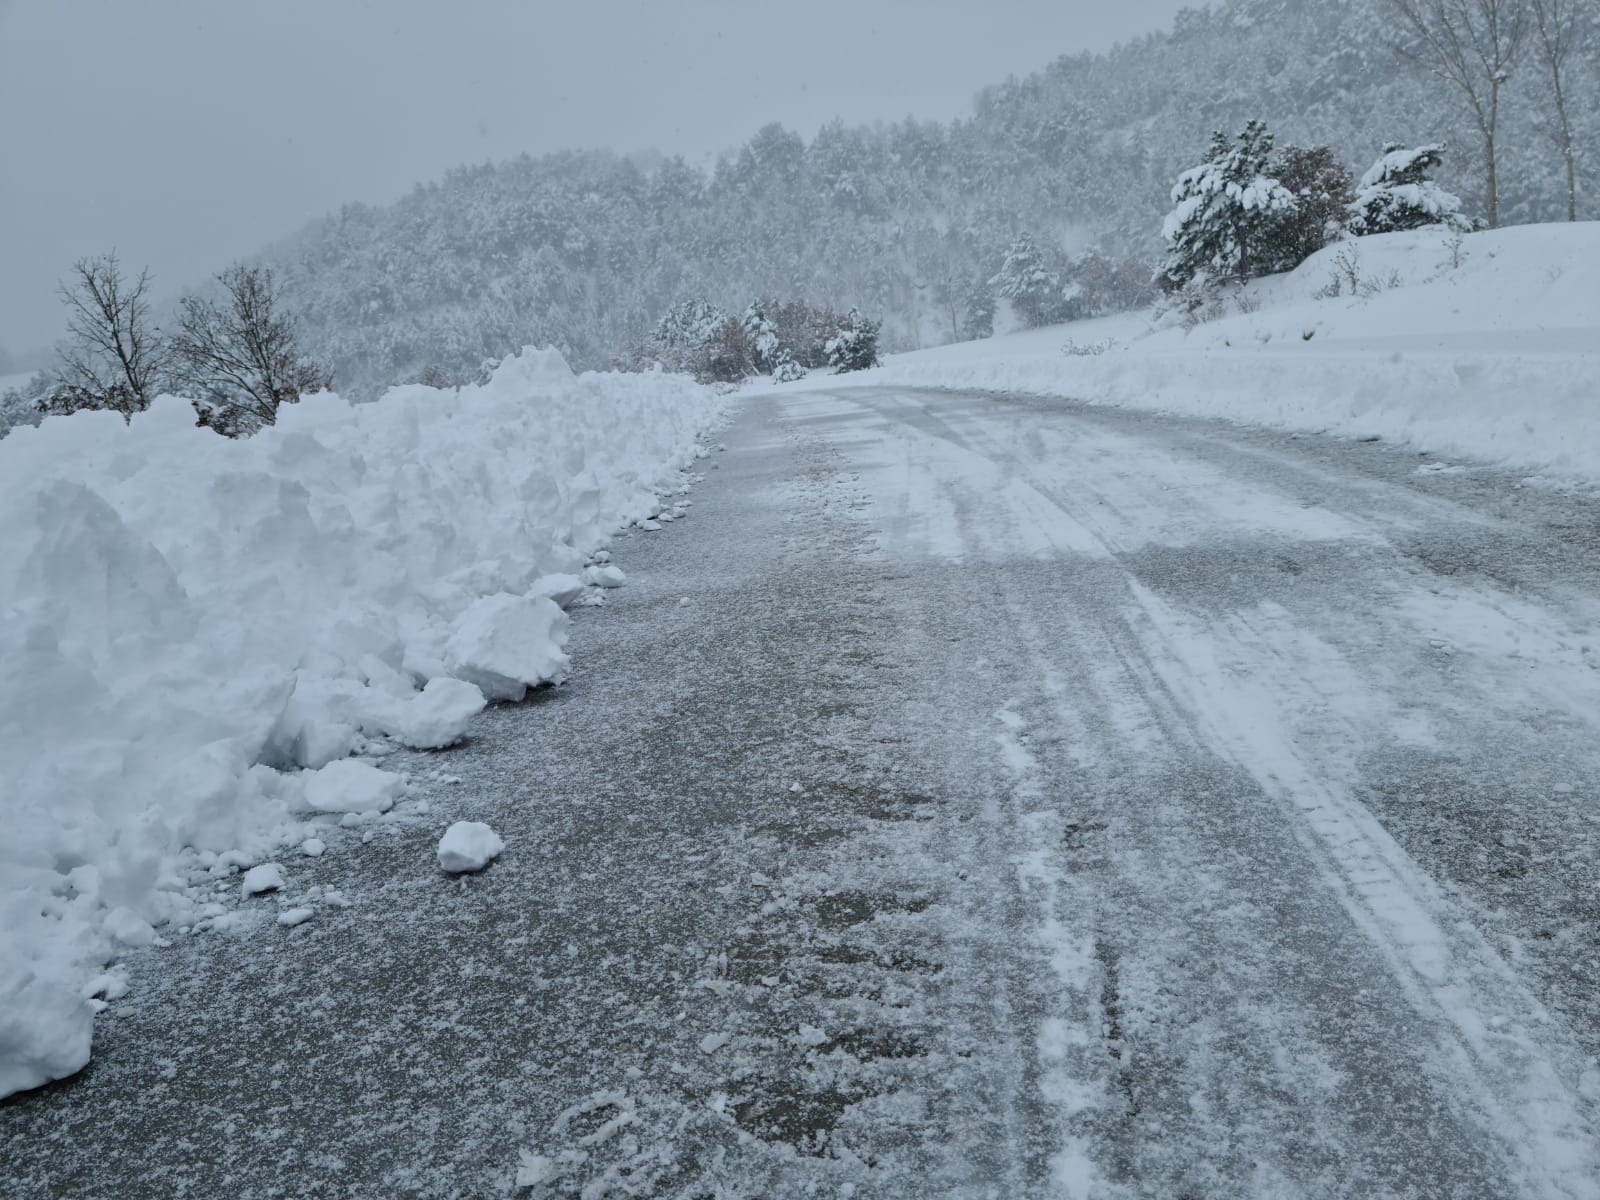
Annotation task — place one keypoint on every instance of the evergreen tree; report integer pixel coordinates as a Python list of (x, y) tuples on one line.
[(1025, 279), (762, 337), (1396, 194), (855, 347), (1225, 210), (977, 310)]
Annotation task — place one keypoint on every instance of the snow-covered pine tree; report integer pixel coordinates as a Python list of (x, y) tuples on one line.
[(977, 310), (785, 369), (1224, 210), (22, 405), (761, 335), (855, 347), (1025, 279), (1396, 194), (684, 337)]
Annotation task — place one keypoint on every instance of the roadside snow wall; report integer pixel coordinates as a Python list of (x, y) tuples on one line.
[(191, 627), (1487, 346)]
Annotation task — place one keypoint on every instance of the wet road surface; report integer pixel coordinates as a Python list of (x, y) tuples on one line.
[(974, 797)]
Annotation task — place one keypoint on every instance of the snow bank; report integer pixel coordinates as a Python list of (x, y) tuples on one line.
[(195, 633), (1487, 348)]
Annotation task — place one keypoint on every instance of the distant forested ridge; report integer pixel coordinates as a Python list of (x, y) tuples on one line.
[(911, 222)]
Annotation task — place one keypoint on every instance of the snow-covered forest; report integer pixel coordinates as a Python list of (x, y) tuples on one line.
[(585, 251)]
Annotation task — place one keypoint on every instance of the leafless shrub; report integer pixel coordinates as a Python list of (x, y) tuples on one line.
[(112, 358), (237, 355)]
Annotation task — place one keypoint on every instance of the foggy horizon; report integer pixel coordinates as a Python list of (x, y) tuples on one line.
[(381, 98)]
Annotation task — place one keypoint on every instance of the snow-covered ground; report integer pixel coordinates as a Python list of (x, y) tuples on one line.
[(195, 633), (1486, 346)]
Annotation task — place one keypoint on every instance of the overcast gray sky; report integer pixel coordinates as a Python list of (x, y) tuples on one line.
[(187, 133)]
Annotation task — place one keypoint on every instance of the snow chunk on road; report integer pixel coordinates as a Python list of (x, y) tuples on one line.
[(713, 1042), (351, 786), (605, 576), (439, 715), (268, 877), (45, 1030), (468, 846), (563, 589), (506, 644), (289, 918)]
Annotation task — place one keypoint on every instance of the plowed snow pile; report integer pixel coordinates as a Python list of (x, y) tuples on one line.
[(1487, 347), (195, 633)]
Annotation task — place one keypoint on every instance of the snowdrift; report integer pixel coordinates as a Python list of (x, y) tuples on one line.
[(1486, 346), (195, 633)]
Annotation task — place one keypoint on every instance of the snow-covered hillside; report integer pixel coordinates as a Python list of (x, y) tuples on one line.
[(195, 633), (1486, 346)]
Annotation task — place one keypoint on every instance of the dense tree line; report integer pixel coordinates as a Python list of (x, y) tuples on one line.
[(928, 224), (1046, 204)]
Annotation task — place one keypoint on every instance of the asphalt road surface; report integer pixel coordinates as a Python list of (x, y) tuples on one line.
[(973, 797)]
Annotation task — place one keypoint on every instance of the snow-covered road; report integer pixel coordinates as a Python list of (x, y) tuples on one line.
[(975, 797)]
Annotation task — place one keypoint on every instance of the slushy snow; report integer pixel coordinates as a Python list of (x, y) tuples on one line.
[(468, 846), (190, 625)]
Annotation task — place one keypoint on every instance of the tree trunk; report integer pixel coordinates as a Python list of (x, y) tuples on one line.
[(1489, 150), (1565, 127)]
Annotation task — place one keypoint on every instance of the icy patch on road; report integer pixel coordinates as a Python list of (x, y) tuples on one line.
[(187, 621), (1482, 1025), (1064, 1042)]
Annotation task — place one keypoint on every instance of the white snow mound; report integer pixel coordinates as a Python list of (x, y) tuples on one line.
[(187, 621), (506, 644), (468, 846), (350, 786)]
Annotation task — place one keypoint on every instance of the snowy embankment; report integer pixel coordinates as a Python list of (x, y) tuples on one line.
[(1488, 348), (195, 633)]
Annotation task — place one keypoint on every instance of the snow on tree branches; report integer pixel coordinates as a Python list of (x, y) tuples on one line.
[(1224, 211), (1396, 194), (1025, 279), (782, 340), (855, 347)]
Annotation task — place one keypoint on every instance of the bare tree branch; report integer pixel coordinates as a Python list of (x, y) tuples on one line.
[(1559, 30), (238, 355), (1472, 45), (112, 359)]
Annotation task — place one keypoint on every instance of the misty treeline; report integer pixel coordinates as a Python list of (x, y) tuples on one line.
[(783, 340), (914, 222), (1047, 203), (231, 351)]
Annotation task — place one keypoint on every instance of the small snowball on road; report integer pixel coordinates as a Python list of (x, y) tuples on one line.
[(468, 846), (268, 877)]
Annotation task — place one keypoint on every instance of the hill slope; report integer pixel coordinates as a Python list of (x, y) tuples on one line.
[(583, 251)]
